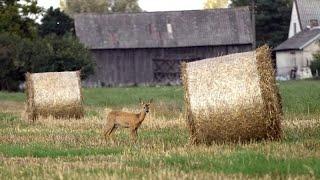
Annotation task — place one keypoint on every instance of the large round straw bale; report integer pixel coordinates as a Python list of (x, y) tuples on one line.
[(56, 94), (232, 98)]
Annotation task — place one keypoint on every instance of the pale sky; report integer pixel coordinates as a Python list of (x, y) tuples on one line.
[(147, 5), (169, 5)]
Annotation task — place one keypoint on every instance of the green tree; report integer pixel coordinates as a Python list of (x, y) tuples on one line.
[(72, 7), (272, 19), (67, 54), (21, 50), (33, 55), (49, 54), (212, 4), (55, 54), (15, 17), (315, 64), (86, 6), (10, 75), (126, 6), (56, 22)]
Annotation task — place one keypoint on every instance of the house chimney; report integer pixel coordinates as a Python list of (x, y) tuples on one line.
[(314, 23)]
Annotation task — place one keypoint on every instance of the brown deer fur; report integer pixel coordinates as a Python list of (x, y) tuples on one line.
[(132, 121)]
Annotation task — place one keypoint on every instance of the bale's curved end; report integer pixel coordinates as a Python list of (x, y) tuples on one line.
[(30, 110), (56, 94), (188, 114), (232, 98), (270, 93)]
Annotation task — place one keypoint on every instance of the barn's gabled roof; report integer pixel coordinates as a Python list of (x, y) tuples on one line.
[(300, 40), (308, 10), (165, 29)]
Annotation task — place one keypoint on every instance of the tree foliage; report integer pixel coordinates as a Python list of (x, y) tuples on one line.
[(315, 64), (15, 17), (55, 54), (272, 19), (72, 7), (212, 4), (126, 6), (23, 50), (56, 22), (49, 54), (86, 6), (64, 54), (10, 69)]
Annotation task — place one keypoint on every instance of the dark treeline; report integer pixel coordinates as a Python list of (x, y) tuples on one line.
[(26, 46)]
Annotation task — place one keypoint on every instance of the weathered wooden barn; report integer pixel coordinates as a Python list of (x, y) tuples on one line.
[(148, 47)]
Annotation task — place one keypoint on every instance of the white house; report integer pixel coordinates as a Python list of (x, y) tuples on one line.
[(295, 54), (304, 13)]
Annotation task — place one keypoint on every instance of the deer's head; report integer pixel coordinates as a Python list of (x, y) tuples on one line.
[(146, 105)]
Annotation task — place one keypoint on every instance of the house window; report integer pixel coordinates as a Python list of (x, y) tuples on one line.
[(294, 28), (292, 52)]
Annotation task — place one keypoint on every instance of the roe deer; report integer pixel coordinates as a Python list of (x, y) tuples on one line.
[(132, 121)]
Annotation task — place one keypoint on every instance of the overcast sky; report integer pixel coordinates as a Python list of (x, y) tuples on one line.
[(147, 5)]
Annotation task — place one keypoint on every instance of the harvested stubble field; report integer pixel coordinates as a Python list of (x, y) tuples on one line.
[(75, 149)]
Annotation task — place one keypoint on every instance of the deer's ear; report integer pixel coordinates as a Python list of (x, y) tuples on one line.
[(151, 100), (140, 101)]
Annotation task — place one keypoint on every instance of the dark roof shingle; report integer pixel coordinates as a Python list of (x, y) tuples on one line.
[(298, 41), (165, 29)]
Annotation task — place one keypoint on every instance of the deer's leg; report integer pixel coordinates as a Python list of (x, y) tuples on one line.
[(107, 131), (134, 135), (114, 128)]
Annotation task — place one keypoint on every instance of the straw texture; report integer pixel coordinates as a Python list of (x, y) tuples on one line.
[(56, 94), (232, 98)]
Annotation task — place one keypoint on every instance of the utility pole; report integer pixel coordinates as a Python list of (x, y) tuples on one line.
[(253, 20)]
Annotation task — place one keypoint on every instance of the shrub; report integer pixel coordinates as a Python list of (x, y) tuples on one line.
[(66, 54), (10, 70), (49, 54), (315, 64), (55, 54)]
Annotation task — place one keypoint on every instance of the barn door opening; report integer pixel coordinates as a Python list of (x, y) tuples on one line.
[(167, 71)]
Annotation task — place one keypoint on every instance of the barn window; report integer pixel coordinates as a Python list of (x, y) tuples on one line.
[(167, 71)]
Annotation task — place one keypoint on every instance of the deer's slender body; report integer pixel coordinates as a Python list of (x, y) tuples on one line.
[(132, 121)]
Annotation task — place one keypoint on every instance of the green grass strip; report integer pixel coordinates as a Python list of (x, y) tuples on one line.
[(36, 150)]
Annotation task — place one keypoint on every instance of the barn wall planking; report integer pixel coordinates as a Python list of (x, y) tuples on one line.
[(118, 67)]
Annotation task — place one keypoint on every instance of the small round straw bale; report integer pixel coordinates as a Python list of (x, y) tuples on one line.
[(56, 94), (232, 98)]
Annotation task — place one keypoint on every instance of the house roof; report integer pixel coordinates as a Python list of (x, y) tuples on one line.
[(308, 9), (165, 29), (300, 40)]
